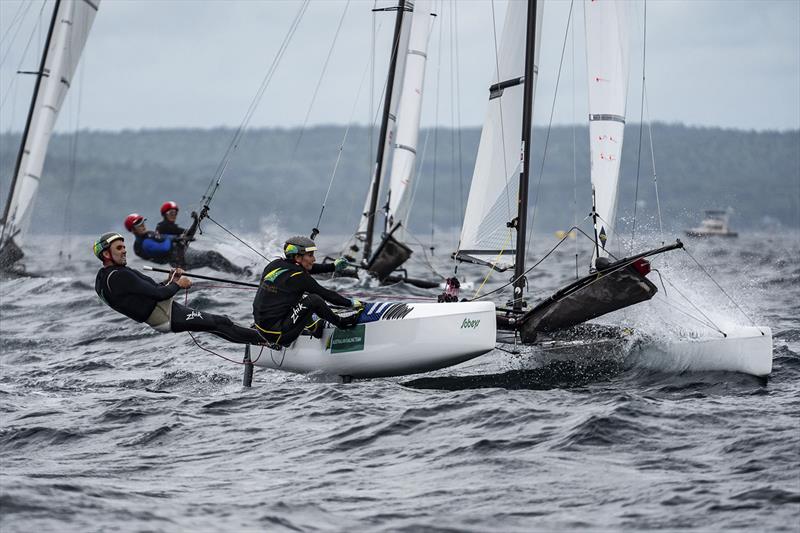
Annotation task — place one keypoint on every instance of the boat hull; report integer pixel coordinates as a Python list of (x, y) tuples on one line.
[(428, 337), (746, 349)]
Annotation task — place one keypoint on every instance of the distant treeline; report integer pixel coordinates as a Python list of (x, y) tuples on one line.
[(279, 176)]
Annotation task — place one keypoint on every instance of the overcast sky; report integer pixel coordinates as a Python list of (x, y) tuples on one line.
[(185, 63)]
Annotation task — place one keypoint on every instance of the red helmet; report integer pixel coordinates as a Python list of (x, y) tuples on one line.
[(166, 206), (134, 219)]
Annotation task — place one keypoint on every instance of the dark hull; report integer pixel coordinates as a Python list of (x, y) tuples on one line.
[(615, 286)]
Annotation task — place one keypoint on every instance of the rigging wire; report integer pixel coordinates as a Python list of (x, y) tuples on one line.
[(319, 83), (641, 124), (73, 164), (229, 232), (22, 57), (500, 109), (341, 145), (574, 149), (234, 144), (655, 176), (549, 128), (719, 286), (436, 133)]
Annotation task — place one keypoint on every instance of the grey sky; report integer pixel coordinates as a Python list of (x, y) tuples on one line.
[(169, 63)]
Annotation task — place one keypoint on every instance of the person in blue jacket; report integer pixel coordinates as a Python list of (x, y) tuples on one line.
[(172, 249)]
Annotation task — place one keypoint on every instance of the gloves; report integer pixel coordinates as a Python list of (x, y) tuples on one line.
[(340, 264), (357, 304)]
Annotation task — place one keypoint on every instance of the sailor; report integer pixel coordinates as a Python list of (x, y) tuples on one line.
[(288, 296), (169, 214), (138, 297), (173, 249)]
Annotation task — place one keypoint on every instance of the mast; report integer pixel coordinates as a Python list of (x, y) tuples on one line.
[(376, 182), (24, 140), (527, 112)]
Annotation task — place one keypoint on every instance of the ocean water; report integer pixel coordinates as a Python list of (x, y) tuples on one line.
[(106, 425)]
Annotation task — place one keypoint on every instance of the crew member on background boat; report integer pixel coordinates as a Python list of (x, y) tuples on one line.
[(288, 296), (169, 226), (138, 297), (173, 249)]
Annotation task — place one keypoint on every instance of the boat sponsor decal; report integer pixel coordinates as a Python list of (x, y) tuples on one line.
[(470, 324), (384, 311), (347, 340)]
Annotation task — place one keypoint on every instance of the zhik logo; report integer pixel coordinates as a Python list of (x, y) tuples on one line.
[(194, 314)]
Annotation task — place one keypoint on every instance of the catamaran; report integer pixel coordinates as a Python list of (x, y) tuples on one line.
[(494, 232)]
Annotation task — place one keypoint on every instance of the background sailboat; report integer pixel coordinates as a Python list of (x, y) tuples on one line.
[(398, 142), (69, 29)]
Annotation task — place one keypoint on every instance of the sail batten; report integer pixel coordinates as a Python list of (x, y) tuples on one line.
[(493, 203)]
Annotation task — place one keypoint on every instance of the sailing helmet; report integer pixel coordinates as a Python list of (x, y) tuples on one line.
[(166, 206), (298, 245), (104, 243), (134, 219)]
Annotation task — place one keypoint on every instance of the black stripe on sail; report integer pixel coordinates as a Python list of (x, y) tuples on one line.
[(418, 53), (607, 118), (91, 4), (496, 90), (404, 147)]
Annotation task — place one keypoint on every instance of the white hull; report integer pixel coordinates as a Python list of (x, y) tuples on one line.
[(430, 336), (746, 349)]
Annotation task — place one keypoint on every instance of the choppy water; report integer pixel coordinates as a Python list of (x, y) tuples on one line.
[(108, 426)]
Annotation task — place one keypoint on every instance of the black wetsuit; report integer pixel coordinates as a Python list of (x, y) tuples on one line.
[(168, 249), (165, 227), (135, 295), (287, 297)]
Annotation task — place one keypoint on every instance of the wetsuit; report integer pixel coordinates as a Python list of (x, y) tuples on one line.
[(288, 296), (165, 227), (138, 297), (155, 248), (168, 249)]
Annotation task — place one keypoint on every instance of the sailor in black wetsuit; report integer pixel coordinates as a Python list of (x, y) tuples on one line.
[(138, 297), (168, 226), (173, 249), (288, 296)]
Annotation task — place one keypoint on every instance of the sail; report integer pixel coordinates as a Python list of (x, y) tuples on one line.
[(71, 24), (408, 117), (391, 120), (493, 194), (607, 62)]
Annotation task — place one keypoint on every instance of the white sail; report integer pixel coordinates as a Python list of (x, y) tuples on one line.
[(405, 31), (72, 24), (493, 194), (408, 116), (607, 62)]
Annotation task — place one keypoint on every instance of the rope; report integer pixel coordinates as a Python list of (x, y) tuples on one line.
[(186, 303), (490, 270), (234, 144), (344, 141), (229, 232)]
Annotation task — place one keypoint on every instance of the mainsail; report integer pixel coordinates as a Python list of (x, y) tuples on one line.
[(408, 117), (607, 62), (487, 234), (391, 103), (69, 29)]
